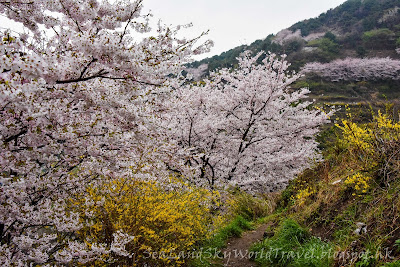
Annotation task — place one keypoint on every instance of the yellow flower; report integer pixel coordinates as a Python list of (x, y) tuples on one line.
[(358, 181), (159, 219), (302, 195)]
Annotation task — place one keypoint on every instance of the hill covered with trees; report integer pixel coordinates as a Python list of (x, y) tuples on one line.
[(366, 30), (356, 28)]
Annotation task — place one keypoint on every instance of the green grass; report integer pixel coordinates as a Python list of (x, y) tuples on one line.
[(214, 245), (271, 218), (292, 245), (233, 229), (314, 253), (247, 210), (392, 264)]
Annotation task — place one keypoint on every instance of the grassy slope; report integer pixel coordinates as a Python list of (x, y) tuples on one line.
[(331, 210)]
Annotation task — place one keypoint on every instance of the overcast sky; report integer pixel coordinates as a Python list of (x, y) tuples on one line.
[(236, 22)]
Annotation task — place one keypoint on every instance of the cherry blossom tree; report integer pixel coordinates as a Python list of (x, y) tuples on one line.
[(286, 36), (244, 126), (356, 69), (199, 72), (76, 106)]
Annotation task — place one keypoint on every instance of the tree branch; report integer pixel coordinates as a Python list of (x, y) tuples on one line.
[(97, 75), (86, 67), (15, 136)]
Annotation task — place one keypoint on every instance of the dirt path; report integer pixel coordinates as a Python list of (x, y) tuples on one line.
[(236, 254)]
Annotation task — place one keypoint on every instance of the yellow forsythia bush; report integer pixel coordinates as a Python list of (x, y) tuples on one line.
[(373, 149), (359, 182), (366, 137), (164, 220), (302, 195)]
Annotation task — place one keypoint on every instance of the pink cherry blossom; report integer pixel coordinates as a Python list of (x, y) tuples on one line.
[(356, 69), (244, 126), (77, 105)]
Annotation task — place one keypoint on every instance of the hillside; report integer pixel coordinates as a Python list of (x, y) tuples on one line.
[(348, 55), (351, 29)]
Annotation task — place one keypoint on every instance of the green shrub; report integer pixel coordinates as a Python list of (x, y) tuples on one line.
[(330, 36), (379, 39), (397, 243), (325, 44), (366, 262)]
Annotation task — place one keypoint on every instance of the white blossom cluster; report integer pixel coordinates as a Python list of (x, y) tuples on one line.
[(356, 69)]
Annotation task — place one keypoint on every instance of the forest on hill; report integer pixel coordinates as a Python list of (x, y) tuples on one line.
[(112, 155), (357, 28), (367, 29)]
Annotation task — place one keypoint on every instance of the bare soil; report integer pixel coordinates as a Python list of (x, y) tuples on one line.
[(236, 254)]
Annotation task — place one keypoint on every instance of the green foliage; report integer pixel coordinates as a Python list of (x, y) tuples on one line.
[(292, 245), (233, 229), (326, 138), (361, 51), (244, 209), (347, 16), (327, 49), (287, 196), (293, 46), (379, 39), (392, 264), (398, 42), (376, 34), (366, 262), (370, 257), (369, 23), (351, 40), (330, 36), (325, 44), (292, 232)]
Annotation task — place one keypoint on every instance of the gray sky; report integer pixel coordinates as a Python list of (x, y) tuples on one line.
[(236, 22)]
